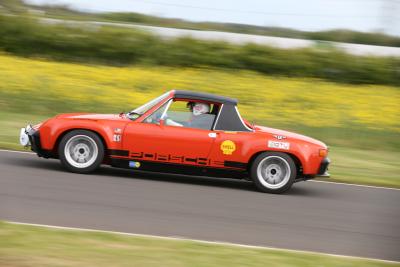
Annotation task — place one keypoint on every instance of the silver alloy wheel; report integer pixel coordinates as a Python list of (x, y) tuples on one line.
[(81, 151), (273, 172)]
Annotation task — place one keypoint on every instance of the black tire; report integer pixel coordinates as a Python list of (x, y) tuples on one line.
[(84, 141), (269, 161)]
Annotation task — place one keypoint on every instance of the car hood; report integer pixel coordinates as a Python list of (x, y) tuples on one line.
[(91, 116), (286, 134)]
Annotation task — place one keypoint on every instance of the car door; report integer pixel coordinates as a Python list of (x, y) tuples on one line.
[(230, 149), (154, 141)]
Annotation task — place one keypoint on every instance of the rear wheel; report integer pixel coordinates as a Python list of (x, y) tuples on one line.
[(81, 151), (273, 172)]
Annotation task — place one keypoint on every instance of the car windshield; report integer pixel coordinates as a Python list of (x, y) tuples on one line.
[(137, 112)]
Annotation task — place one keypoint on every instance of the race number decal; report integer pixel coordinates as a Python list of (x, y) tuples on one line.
[(117, 138), (279, 145)]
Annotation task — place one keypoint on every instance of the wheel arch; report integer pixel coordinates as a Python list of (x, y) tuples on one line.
[(62, 134), (297, 161)]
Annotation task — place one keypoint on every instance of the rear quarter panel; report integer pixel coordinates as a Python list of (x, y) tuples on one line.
[(249, 144)]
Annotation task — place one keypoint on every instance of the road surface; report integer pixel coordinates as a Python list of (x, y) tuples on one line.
[(322, 217)]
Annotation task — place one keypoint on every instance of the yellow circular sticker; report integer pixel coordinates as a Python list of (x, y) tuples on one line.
[(228, 147)]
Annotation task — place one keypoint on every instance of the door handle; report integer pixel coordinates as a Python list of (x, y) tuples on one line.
[(212, 135)]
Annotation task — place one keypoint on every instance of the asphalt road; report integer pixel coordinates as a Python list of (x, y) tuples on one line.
[(330, 218)]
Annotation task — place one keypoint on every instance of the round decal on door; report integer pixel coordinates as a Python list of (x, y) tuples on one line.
[(228, 147)]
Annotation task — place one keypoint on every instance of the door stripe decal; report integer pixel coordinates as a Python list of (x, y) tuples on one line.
[(176, 159)]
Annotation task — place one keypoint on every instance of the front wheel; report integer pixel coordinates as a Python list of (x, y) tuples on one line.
[(81, 151), (273, 172)]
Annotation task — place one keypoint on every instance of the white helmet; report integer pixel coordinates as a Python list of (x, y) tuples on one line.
[(200, 108)]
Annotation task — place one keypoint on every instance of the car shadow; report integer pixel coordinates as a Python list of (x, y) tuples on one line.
[(298, 189), (304, 190), (177, 178), (107, 171), (36, 163)]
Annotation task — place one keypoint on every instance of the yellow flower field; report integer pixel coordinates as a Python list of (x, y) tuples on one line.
[(46, 87)]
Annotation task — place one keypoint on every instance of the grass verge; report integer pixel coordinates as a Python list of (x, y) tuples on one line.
[(23, 245), (367, 167)]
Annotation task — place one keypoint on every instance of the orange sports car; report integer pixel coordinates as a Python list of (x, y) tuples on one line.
[(181, 132)]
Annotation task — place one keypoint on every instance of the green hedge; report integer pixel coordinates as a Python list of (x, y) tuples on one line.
[(120, 46), (346, 36)]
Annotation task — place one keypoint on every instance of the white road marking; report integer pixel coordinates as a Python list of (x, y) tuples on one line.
[(359, 185), (314, 181), (178, 238), (16, 151)]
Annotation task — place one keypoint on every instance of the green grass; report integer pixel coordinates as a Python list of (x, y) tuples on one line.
[(349, 165), (368, 167), (32, 246), (10, 125)]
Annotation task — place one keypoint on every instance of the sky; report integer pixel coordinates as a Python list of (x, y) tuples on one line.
[(310, 15)]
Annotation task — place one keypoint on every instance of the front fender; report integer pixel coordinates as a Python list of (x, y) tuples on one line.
[(52, 130)]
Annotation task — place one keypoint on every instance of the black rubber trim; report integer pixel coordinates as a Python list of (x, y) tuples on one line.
[(34, 138), (117, 152), (323, 168), (235, 164), (179, 168)]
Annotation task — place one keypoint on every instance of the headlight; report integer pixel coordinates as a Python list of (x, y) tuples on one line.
[(23, 137)]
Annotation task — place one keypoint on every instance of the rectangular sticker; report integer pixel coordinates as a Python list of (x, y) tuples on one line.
[(134, 164), (279, 145)]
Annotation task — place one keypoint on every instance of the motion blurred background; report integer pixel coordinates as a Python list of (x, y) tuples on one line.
[(327, 69)]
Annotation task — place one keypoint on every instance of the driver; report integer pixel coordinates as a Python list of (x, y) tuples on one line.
[(199, 118)]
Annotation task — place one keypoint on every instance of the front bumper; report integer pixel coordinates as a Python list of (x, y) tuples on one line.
[(323, 168), (30, 137)]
